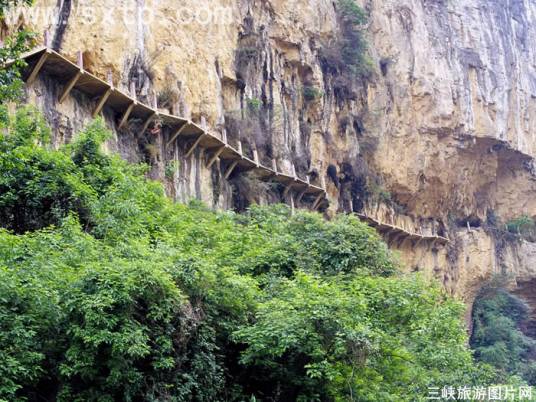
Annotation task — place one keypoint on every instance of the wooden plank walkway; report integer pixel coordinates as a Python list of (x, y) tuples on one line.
[(127, 107), (389, 230)]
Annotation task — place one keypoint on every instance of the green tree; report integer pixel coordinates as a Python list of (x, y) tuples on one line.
[(10, 63)]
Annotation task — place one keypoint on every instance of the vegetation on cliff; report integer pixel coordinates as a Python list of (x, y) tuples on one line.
[(109, 291), (497, 339)]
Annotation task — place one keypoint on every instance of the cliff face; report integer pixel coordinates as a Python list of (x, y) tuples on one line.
[(457, 101), (442, 130)]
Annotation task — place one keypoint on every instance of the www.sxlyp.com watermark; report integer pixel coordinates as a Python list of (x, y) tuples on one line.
[(128, 15), (494, 393)]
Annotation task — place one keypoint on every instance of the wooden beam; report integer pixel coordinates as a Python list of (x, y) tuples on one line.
[(38, 67), (316, 204), (396, 238), (387, 231), (215, 156), (177, 133), (194, 145), (70, 85), (287, 189), (230, 170), (256, 157), (133, 90), (300, 196), (126, 115), (102, 101), (80, 59), (147, 122)]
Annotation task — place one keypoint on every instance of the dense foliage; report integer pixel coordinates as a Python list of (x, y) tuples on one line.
[(497, 337), (109, 291)]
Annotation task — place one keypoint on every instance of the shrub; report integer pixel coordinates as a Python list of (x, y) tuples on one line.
[(311, 94), (39, 185), (254, 105), (523, 225), (171, 169), (345, 58)]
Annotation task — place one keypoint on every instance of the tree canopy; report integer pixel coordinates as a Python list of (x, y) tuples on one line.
[(110, 291)]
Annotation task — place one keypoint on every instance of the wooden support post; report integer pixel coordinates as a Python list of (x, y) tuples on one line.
[(468, 226), (110, 78), (70, 85), (230, 170), (308, 180), (155, 102), (292, 207), (318, 200), (215, 156), (294, 172), (287, 190), (203, 122), (133, 90), (194, 146), (126, 115), (398, 237), (80, 59), (224, 136), (240, 148), (300, 196), (351, 206), (102, 101), (256, 157), (387, 236), (177, 133), (274, 165), (147, 122), (38, 67)]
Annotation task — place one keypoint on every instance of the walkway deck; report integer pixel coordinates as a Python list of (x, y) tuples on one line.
[(396, 232), (126, 107)]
